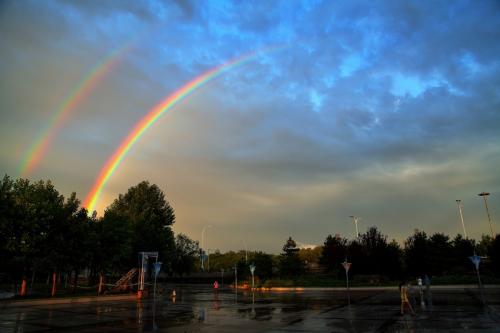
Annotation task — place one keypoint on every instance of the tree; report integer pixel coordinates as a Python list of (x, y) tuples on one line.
[(290, 262), (417, 253), (333, 253), (484, 246), (440, 255), (375, 250), (264, 265), (356, 255), (462, 249), (494, 254), (185, 255), (38, 229), (115, 236), (150, 215), (311, 255), (392, 261)]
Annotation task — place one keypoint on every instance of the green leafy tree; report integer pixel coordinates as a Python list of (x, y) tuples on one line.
[(440, 255), (333, 253), (116, 242), (462, 249), (290, 262), (77, 246), (494, 254), (357, 256), (375, 252), (39, 228), (311, 255), (417, 254), (393, 261), (264, 265), (8, 218), (484, 246), (150, 215), (185, 255)]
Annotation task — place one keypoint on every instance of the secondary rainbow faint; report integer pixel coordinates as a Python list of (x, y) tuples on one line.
[(152, 117), (86, 85)]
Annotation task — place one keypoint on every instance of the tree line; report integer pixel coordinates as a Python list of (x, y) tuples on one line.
[(43, 234), (371, 254)]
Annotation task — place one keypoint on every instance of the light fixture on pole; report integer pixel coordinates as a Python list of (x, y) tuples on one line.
[(252, 271), (347, 266), (355, 219), (484, 195), (459, 203)]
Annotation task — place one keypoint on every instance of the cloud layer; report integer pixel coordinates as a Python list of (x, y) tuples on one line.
[(386, 110)]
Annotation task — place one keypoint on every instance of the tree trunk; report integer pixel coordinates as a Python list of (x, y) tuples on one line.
[(32, 281), (75, 281), (54, 281)]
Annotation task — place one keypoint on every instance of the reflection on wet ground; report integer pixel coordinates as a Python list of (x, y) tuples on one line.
[(199, 309)]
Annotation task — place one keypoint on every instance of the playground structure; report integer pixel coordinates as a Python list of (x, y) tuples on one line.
[(144, 259), (125, 282)]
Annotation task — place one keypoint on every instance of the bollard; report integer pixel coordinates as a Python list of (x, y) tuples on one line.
[(23, 287)]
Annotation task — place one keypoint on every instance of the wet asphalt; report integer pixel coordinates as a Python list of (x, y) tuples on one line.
[(199, 309)]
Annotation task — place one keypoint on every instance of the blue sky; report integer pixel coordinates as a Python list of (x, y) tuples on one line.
[(388, 110)]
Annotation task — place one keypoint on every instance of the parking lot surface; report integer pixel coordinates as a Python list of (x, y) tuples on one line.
[(199, 309)]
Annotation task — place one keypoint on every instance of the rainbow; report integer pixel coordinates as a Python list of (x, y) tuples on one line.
[(85, 86), (152, 117)]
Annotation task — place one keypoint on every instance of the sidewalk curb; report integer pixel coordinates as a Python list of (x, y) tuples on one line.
[(385, 288), (66, 300)]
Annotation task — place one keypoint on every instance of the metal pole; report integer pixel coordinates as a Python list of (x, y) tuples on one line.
[(246, 251), (459, 203), (355, 219), (480, 285), (203, 245), (484, 195), (154, 287), (236, 278), (348, 293), (208, 260)]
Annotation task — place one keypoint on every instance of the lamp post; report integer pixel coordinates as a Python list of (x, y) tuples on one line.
[(246, 251), (208, 260), (252, 270), (459, 203), (484, 195), (355, 220), (203, 245), (347, 266)]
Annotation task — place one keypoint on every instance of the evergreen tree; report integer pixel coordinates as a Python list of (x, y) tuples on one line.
[(290, 262)]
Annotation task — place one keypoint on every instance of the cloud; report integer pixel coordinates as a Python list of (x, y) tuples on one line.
[(386, 110)]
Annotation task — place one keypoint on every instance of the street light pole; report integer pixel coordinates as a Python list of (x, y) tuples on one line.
[(203, 245), (355, 219), (246, 251), (459, 203), (484, 195), (252, 270)]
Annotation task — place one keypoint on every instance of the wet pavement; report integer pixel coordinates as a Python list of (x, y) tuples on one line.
[(198, 309)]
